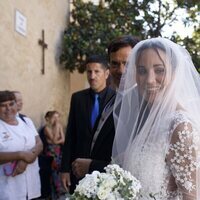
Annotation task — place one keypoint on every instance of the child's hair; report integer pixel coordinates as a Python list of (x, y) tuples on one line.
[(50, 114)]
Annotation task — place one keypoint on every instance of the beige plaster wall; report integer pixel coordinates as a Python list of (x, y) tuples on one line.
[(78, 81), (21, 56)]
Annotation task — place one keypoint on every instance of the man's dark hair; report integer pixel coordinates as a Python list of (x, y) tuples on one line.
[(6, 96), (97, 59), (120, 42)]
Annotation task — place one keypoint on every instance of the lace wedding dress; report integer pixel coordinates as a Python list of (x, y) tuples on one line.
[(157, 113), (170, 175)]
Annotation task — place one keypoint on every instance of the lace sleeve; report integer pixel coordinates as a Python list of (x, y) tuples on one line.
[(182, 159)]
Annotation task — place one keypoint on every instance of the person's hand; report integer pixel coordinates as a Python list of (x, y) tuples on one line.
[(20, 167), (28, 156), (65, 179), (80, 167)]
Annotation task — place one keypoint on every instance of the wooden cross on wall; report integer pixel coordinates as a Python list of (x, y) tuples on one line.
[(44, 46)]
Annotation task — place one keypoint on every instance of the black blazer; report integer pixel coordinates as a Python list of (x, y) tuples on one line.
[(79, 134), (102, 149)]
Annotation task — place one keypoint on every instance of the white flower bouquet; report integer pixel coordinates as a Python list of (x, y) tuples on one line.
[(114, 184)]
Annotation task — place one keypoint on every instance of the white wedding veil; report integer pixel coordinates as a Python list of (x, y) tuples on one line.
[(144, 108)]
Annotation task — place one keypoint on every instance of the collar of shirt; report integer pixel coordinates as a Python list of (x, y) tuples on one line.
[(101, 94)]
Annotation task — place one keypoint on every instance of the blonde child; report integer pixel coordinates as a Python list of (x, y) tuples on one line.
[(53, 140), (53, 129)]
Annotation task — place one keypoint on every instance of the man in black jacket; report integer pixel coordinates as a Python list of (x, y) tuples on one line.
[(99, 148), (77, 159)]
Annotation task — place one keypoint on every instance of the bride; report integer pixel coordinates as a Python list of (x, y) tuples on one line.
[(157, 113)]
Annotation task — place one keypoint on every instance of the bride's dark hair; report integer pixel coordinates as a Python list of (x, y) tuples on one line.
[(155, 45)]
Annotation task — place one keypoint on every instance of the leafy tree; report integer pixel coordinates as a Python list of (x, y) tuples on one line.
[(92, 27), (192, 44)]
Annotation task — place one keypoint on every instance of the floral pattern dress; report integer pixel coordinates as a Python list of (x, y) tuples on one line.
[(54, 151), (182, 160), (172, 174)]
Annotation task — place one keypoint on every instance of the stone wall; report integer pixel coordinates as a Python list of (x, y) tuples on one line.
[(21, 56)]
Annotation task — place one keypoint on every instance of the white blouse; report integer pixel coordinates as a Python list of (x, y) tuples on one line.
[(19, 138)]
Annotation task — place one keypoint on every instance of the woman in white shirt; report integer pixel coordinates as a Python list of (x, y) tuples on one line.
[(20, 146)]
